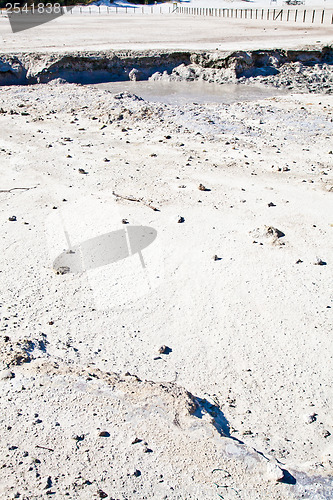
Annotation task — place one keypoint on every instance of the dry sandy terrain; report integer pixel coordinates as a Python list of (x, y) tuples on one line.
[(137, 32), (165, 270), (249, 334)]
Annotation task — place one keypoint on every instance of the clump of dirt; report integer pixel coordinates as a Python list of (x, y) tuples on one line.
[(268, 234)]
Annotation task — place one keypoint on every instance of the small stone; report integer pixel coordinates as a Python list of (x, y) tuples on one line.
[(309, 419), (136, 440), (274, 473), (299, 261), (106, 160), (6, 375), (202, 188), (180, 219), (271, 204), (82, 171), (167, 136), (104, 434), (63, 270), (78, 438), (12, 218), (136, 473), (101, 494), (326, 433), (163, 349), (319, 262), (48, 483), (134, 75), (124, 221)]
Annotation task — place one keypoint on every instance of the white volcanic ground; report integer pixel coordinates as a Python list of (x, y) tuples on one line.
[(90, 407)]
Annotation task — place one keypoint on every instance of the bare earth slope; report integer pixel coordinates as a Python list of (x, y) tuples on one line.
[(248, 333)]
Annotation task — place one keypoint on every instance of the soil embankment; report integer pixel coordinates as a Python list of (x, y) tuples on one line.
[(308, 69)]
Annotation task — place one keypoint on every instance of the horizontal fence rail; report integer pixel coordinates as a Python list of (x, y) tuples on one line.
[(288, 15)]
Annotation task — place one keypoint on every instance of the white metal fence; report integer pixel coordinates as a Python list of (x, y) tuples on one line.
[(289, 15), (309, 16)]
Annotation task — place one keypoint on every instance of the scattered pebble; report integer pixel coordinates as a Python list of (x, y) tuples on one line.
[(124, 221), (101, 494), (309, 419), (12, 218), (6, 375), (164, 349), (63, 270), (274, 473), (82, 171), (319, 262), (180, 219), (104, 434), (136, 440), (136, 473)]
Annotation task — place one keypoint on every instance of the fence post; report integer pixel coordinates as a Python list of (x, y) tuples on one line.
[(322, 17), (262, 13), (267, 14), (304, 15), (296, 15)]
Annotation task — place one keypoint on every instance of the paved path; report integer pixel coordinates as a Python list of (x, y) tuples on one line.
[(166, 31)]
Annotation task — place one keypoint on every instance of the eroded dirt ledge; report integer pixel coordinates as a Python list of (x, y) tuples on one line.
[(306, 69)]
